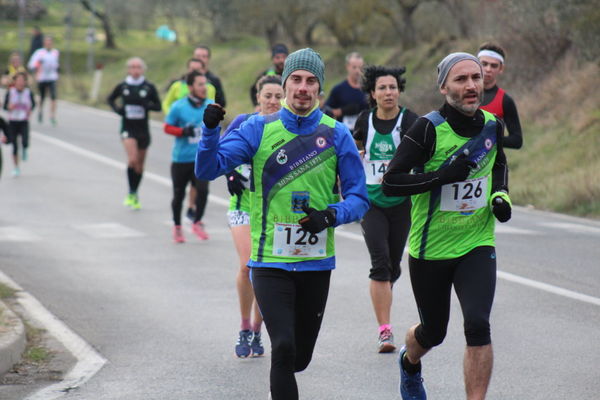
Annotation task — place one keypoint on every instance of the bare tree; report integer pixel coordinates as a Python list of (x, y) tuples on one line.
[(401, 14), (105, 21)]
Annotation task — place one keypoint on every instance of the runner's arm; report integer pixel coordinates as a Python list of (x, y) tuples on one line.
[(153, 103), (514, 140), (112, 100), (500, 168), (352, 179), (217, 156), (415, 149)]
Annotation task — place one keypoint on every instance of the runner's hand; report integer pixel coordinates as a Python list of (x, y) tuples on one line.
[(315, 220), (189, 131), (235, 183), (501, 209), (213, 114), (457, 171)]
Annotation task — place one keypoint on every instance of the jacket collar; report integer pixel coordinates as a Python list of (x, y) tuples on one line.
[(299, 124)]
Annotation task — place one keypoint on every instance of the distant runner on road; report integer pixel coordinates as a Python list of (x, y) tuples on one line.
[(45, 63), (133, 99), (296, 155)]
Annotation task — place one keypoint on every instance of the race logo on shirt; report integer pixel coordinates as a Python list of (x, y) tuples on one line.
[(384, 147), (143, 93), (282, 158), (321, 142), (300, 199), (488, 144)]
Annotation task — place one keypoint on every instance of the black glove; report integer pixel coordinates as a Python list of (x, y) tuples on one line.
[(189, 131), (457, 171), (501, 209), (235, 183), (315, 220), (213, 115)]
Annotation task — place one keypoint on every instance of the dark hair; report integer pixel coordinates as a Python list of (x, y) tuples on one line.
[(191, 60), (205, 47), (493, 46), (20, 73), (267, 79), (372, 72), (191, 77)]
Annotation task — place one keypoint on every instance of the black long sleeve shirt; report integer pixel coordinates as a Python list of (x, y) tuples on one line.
[(418, 146)]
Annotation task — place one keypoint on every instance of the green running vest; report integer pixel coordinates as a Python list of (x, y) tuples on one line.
[(452, 220), (290, 171), (379, 150)]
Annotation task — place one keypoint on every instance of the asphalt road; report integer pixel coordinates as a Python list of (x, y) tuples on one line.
[(165, 315)]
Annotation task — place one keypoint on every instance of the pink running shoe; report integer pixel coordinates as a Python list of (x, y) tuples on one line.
[(178, 234), (198, 229)]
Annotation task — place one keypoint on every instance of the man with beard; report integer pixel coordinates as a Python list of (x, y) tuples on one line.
[(279, 53), (458, 184)]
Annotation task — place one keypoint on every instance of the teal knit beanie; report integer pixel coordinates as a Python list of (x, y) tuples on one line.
[(305, 59)]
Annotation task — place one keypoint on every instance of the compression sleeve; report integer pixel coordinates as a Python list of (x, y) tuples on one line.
[(352, 179), (217, 156), (415, 149), (173, 130), (514, 140)]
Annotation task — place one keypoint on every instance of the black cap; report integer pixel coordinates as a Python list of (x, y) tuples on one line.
[(279, 48)]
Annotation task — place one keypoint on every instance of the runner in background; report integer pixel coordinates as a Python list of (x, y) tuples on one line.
[(184, 122), (279, 53), (495, 99), (347, 99), (45, 62), (133, 99), (203, 53), (15, 64), (385, 226), (269, 95), (19, 103)]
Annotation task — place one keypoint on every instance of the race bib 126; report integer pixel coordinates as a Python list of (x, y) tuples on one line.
[(290, 240), (464, 196)]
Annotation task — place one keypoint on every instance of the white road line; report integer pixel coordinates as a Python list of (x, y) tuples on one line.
[(503, 229), (108, 230), (16, 234), (157, 178), (89, 362), (549, 288), (576, 228)]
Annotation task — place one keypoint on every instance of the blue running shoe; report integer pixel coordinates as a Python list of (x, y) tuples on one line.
[(411, 385), (256, 345), (242, 347)]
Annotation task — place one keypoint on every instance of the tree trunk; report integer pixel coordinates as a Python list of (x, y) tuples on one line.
[(105, 21)]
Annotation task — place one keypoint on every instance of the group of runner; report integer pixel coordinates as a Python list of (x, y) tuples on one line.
[(298, 167), (439, 180), (19, 100)]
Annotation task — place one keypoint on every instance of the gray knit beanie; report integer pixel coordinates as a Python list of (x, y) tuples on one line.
[(305, 59), (448, 62)]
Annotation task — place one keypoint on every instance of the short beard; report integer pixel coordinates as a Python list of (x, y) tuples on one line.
[(455, 101)]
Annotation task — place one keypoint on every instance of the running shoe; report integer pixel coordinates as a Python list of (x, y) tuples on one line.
[(135, 203), (256, 345), (242, 347), (178, 234), (128, 202), (24, 154), (385, 344), (16, 172), (198, 229), (190, 214), (411, 385)]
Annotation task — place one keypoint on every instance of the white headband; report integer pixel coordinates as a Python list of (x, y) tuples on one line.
[(491, 53)]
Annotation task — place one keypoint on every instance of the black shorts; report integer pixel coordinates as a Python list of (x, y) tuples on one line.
[(142, 137), (47, 85), (16, 129), (385, 231)]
